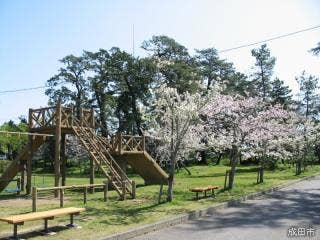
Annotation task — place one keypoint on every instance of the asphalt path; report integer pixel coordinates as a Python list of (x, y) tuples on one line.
[(290, 213)]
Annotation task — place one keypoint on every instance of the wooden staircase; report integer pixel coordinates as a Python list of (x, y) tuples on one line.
[(99, 152)]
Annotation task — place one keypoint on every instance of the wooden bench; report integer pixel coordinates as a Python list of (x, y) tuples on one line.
[(46, 215), (198, 190)]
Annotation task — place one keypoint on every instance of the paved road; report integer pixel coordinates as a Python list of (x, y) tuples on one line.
[(269, 218)]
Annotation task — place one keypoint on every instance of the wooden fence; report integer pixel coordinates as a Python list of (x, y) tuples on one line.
[(62, 189)]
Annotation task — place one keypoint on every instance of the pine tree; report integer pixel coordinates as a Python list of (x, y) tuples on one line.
[(280, 94), (309, 99), (264, 69)]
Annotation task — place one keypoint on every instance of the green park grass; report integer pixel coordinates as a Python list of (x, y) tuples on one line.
[(103, 219)]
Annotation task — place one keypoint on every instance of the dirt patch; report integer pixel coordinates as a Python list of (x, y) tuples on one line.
[(25, 202)]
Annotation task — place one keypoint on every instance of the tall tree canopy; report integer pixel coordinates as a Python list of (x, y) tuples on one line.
[(101, 84), (309, 98), (280, 94), (263, 71), (175, 67), (75, 86), (133, 78)]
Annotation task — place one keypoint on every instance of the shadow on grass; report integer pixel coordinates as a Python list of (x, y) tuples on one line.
[(37, 233), (121, 215), (239, 171), (13, 196)]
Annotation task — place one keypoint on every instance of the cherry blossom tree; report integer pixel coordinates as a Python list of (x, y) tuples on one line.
[(228, 120), (247, 127), (271, 131), (305, 137), (177, 123)]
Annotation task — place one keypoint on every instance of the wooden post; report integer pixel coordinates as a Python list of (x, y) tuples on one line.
[(29, 172), (63, 160), (85, 192), (61, 197), (92, 174), (81, 116), (29, 160), (30, 119), (34, 199), (120, 143), (57, 148), (105, 191), (22, 177), (72, 113), (143, 143), (124, 195), (18, 185), (92, 124), (133, 189), (29, 166)]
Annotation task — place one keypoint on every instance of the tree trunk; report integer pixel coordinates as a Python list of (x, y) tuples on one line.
[(136, 115), (261, 175), (135, 110), (171, 179), (298, 167), (9, 151), (240, 159), (203, 158), (170, 188), (185, 167), (172, 167), (103, 120), (219, 159), (233, 163)]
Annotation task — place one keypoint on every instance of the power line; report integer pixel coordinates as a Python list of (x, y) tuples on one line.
[(269, 39), (221, 51), (22, 90), (27, 89)]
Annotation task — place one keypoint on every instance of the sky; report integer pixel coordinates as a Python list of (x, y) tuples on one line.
[(35, 34)]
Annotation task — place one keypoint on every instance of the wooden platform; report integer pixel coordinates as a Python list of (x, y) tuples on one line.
[(59, 121)]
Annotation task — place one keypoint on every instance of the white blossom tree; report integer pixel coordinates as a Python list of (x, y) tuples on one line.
[(177, 124), (247, 127)]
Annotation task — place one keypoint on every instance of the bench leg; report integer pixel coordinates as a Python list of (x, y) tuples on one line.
[(213, 194), (72, 224), (46, 231), (205, 193), (197, 195), (46, 225), (15, 233)]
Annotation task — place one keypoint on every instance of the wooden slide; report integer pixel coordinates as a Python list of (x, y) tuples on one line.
[(15, 166), (144, 165)]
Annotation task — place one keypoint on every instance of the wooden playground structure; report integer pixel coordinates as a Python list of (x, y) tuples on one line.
[(110, 154)]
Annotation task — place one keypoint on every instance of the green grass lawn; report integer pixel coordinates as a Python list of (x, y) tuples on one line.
[(102, 219)]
